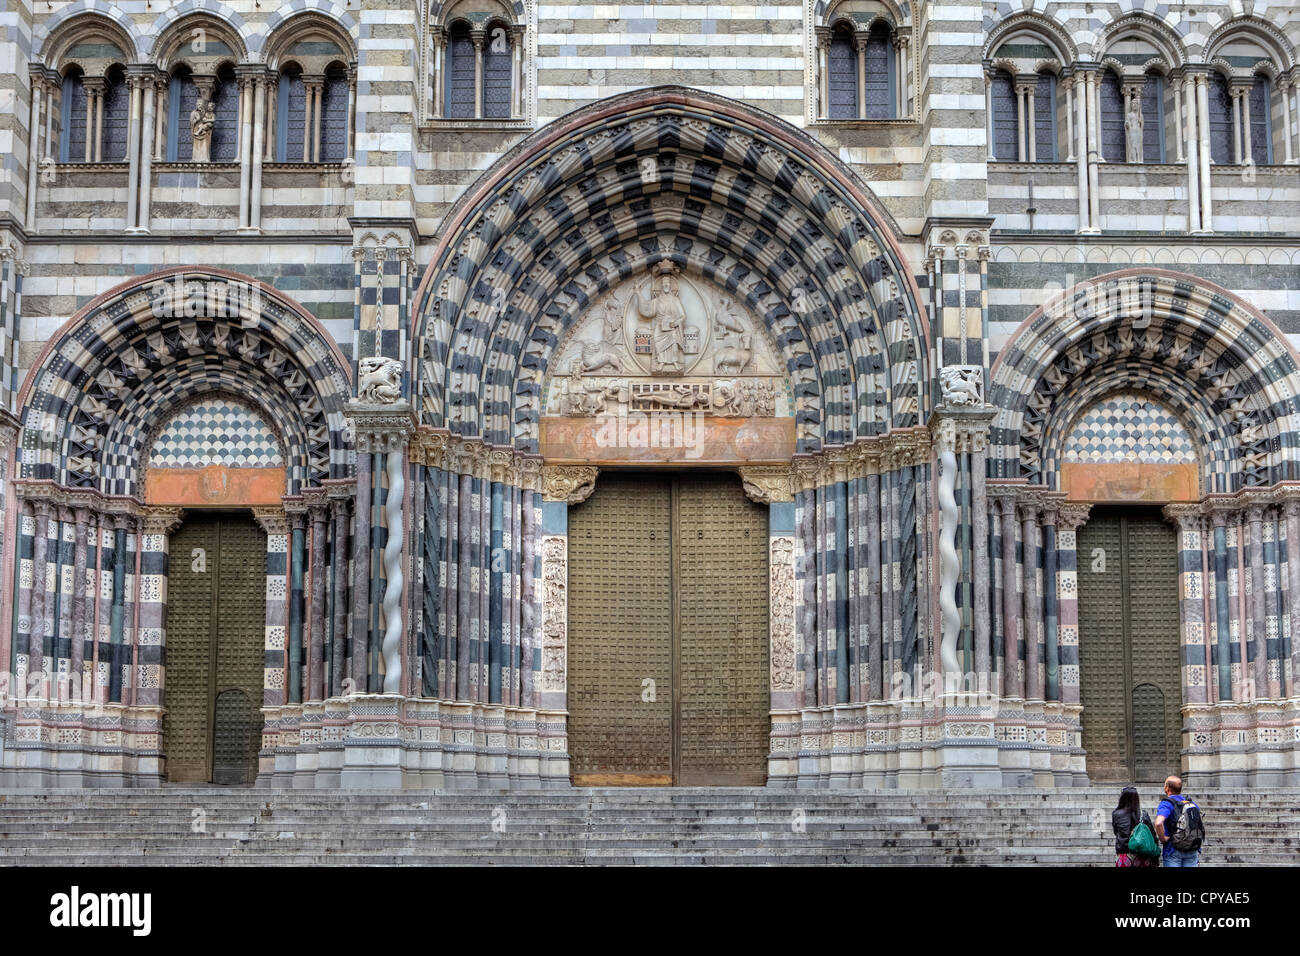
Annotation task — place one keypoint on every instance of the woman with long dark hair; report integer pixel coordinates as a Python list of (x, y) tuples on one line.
[(1124, 819)]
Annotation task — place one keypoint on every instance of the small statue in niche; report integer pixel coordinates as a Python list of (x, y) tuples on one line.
[(1133, 123), (203, 119)]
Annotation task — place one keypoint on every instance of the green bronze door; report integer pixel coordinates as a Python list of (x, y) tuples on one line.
[(216, 613), (668, 633), (1128, 645)]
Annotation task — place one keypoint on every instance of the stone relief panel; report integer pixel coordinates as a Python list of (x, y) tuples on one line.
[(555, 612), (782, 614), (667, 342)]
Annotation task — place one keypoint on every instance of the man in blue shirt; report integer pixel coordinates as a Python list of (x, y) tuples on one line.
[(1169, 806)]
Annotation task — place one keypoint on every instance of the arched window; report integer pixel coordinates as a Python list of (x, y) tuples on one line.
[(842, 75), (1261, 128), (117, 107), (498, 68), (1006, 120), (225, 102), (1221, 145), (460, 73), (182, 94), (72, 145), (1153, 118), (290, 115), (1045, 119), (1112, 118), (334, 116), (880, 74)]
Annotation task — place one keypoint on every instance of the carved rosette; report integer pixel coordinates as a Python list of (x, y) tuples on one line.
[(555, 612), (781, 595), (569, 483)]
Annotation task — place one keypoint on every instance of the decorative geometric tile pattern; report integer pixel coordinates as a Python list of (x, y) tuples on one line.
[(216, 432), (1128, 427)]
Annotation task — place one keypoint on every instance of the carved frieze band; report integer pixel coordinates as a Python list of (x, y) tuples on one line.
[(436, 448)]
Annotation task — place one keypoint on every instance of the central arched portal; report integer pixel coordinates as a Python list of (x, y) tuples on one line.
[(668, 632), (640, 300)]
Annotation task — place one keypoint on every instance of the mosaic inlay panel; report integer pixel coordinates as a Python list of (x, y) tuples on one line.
[(1129, 428), (216, 432)]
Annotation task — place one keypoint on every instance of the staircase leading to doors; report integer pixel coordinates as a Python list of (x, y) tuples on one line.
[(224, 826)]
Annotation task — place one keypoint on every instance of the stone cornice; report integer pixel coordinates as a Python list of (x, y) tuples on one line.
[(34, 490)]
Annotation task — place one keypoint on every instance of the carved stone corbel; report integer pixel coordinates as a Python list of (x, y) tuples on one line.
[(569, 483), (272, 519), (767, 484)]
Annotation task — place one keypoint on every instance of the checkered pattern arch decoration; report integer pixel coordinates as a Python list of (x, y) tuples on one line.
[(131, 358), (732, 197), (1220, 366)]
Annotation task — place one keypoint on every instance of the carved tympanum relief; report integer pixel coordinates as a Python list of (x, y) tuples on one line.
[(667, 342)]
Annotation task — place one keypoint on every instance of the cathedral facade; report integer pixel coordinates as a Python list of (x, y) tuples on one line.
[(500, 393)]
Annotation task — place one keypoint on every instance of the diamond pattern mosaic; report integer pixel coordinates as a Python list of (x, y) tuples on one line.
[(218, 432), (1129, 428)]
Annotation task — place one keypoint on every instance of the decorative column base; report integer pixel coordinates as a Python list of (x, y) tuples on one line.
[(72, 744), (953, 741), (1242, 744), (387, 741)]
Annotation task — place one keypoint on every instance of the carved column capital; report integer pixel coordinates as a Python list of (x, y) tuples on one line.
[(569, 483), (1187, 517), (272, 519), (766, 484), (380, 427), (162, 520)]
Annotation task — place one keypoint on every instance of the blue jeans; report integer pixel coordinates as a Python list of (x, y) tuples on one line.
[(1181, 857)]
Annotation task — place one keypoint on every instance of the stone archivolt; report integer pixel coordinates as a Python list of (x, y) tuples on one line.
[(807, 257)]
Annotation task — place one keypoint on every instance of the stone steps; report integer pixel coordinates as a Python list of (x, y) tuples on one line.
[(611, 826)]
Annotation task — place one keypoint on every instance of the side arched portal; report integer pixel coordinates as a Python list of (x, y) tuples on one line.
[(1138, 390), (179, 392)]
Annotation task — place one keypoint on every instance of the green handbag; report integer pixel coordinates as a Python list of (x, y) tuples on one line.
[(1143, 842)]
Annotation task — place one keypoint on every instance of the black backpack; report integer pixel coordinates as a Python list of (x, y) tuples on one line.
[(1189, 828)]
